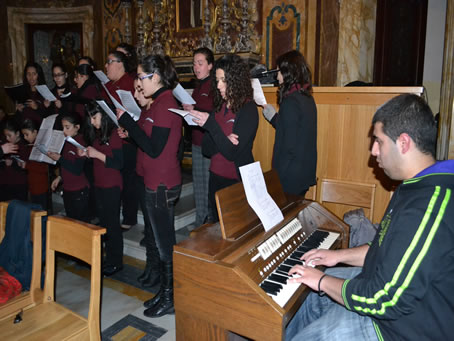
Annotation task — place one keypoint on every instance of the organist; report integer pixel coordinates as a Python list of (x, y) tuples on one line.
[(400, 285)]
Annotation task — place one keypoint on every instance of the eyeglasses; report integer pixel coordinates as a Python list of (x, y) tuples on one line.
[(57, 75), (141, 78), (110, 61)]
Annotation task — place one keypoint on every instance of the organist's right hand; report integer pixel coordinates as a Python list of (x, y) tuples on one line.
[(321, 257)]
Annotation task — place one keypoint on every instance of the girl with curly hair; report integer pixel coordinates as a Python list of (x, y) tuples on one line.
[(296, 121), (232, 128)]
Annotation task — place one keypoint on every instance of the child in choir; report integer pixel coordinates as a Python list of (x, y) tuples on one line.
[(37, 172), (75, 183), (105, 148), (13, 178)]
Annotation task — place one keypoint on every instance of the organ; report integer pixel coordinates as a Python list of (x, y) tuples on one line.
[(231, 276)]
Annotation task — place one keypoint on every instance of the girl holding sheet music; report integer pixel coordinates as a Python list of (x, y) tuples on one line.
[(62, 86), (203, 95), (37, 172), (88, 89), (150, 275), (33, 107), (158, 136), (118, 71), (75, 183), (231, 131), (295, 163), (105, 148), (13, 177)]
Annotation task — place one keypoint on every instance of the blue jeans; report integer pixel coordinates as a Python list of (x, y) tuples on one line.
[(160, 205), (320, 318)]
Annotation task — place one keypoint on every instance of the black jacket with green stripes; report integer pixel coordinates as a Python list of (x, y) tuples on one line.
[(407, 281)]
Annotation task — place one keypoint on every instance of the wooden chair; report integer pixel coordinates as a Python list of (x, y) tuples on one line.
[(29, 298), (49, 320), (348, 193)]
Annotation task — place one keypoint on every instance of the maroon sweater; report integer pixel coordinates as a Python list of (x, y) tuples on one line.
[(72, 167), (204, 102), (14, 174), (108, 174)]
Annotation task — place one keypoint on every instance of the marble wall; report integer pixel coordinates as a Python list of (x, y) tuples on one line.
[(19, 17), (356, 41)]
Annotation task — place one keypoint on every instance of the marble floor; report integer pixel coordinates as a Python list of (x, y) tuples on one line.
[(118, 299)]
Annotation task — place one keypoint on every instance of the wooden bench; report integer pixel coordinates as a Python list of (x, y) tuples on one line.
[(29, 298), (48, 320)]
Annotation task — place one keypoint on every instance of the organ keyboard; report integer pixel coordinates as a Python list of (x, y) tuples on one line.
[(231, 276)]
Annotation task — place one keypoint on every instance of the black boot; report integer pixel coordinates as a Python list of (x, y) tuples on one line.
[(151, 274), (165, 304), (153, 301)]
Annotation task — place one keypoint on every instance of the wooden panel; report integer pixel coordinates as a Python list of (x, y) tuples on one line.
[(343, 137)]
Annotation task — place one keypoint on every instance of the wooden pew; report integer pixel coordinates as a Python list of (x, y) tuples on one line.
[(26, 299), (48, 320)]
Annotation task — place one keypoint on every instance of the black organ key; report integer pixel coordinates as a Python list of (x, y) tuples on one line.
[(277, 278)]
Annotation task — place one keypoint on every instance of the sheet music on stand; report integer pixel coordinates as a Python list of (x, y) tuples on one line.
[(258, 197), (47, 140)]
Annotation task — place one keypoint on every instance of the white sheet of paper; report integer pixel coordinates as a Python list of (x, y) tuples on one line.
[(258, 197), (114, 101), (130, 104), (259, 96), (75, 143), (186, 115), (101, 76), (182, 95), (109, 112), (45, 92), (47, 140)]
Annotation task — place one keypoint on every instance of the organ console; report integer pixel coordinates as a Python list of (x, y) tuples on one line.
[(231, 277)]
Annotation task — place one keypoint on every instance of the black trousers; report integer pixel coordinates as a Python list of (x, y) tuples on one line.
[(160, 206), (10, 192), (150, 242), (40, 199), (215, 183), (130, 195), (77, 204), (108, 206)]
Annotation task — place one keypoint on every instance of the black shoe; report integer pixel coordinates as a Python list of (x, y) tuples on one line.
[(109, 270), (161, 309), (164, 305), (142, 242), (152, 301)]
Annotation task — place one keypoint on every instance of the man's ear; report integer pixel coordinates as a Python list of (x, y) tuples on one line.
[(404, 142)]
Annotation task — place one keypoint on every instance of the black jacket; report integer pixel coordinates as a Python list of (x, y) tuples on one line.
[(295, 145), (408, 274)]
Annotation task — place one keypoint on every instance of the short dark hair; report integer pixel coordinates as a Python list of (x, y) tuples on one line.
[(131, 55), (29, 124), (163, 66), (71, 117), (239, 88), (409, 114), (89, 60), (206, 52), (122, 58), (295, 71)]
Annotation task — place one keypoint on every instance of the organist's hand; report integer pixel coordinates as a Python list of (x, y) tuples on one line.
[(321, 257), (306, 275)]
